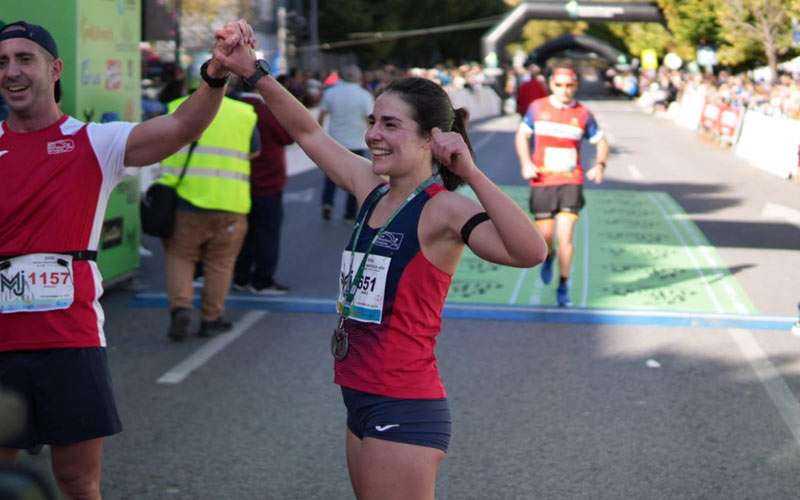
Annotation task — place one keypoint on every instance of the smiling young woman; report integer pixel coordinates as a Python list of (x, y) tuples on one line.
[(396, 269)]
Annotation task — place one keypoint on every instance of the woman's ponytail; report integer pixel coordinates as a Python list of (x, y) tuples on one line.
[(450, 180)]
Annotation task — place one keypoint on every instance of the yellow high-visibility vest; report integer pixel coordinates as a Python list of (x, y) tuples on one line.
[(218, 174)]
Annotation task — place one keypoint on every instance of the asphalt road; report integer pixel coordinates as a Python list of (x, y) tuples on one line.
[(542, 409)]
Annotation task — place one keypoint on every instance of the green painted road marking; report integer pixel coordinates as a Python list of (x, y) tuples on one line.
[(633, 250)]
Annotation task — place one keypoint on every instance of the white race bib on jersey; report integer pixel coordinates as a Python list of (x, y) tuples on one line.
[(370, 291), (36, 282), (560, 159)]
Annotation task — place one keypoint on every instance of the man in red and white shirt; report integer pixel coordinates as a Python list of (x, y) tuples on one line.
[(558, 124), (57, 174)]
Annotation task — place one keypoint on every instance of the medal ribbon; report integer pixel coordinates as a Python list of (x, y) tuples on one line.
[(350, 292)]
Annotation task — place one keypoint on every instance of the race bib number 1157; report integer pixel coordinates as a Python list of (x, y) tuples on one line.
[(35, 283)]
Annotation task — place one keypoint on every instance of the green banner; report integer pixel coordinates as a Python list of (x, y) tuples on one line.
[(633, 250)]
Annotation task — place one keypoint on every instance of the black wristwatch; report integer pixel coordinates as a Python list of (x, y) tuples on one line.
[(214, 83), (262, 70)]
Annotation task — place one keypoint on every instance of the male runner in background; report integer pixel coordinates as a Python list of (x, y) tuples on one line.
[(558, 123)]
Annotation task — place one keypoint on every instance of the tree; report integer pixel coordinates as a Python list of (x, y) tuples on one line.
[(693, 22), (636, 37), (766, 23)]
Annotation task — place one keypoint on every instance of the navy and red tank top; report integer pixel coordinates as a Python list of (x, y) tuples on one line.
[(393, 340)]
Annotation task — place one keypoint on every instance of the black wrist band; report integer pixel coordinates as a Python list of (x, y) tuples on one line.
[(468, 226), (214, 83)]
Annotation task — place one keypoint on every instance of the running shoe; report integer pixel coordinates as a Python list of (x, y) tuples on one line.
[(546, 272), (180, 317), (210, 328), (562, 295)]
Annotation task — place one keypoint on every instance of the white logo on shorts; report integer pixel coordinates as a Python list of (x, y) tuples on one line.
[(381, 428)]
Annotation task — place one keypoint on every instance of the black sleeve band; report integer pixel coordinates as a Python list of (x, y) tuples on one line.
[(468, 226)]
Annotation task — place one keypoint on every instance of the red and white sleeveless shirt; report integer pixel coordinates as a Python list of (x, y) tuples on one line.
[(54, 187)]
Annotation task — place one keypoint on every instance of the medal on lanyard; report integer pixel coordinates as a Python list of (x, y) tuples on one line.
[(340, 342)]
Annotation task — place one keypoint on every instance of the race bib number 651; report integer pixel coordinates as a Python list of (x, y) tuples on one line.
[(369, 293), (35, 283)]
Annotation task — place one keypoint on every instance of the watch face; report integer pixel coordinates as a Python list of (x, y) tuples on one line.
[(262, 69)]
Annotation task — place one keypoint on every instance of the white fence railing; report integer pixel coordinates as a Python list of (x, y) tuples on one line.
[(767, 142)]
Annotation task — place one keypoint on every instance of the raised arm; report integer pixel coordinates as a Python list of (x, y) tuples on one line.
[(155, 139), (346, 169), (508, 237)]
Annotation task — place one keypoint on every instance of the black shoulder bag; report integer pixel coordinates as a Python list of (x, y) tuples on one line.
[(157, 208)]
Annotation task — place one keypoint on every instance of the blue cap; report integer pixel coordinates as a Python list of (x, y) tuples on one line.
[(36, 34), (32, 32)]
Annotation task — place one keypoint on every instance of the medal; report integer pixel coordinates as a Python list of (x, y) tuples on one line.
[(339, 342)]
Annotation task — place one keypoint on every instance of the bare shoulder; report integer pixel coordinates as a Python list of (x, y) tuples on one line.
[(453, 202), (451, 209)]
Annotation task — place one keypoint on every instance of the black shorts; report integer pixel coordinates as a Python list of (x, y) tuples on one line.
[(423, 422), (67, 393), (547, 201)]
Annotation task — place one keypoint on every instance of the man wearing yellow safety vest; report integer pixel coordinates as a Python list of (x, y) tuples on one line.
[(211, 219)]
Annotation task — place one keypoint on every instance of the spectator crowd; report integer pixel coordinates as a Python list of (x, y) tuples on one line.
[(778, 98)]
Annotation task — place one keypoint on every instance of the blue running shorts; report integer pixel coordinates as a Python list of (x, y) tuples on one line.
[(67, 393), (423, 422)]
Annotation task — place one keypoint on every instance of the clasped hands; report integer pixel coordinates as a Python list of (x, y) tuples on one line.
[(233, 50)]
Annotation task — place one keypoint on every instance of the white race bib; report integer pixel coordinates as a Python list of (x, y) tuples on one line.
[(368, 301), (36, 282), (560, 159)]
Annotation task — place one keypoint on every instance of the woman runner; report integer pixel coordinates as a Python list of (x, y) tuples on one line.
[(396, 269)]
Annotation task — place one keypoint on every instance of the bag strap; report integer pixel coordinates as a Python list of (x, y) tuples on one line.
[(186, 163)]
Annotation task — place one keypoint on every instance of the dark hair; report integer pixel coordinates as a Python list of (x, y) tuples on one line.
[(431, 107)]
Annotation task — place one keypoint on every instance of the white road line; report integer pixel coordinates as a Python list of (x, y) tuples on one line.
[(705, 251), (585, 292), (688, 251), (485, 139), (536, 294), (634, 172), (210, 349), (780, 394), (520, 281), (775, 211)]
